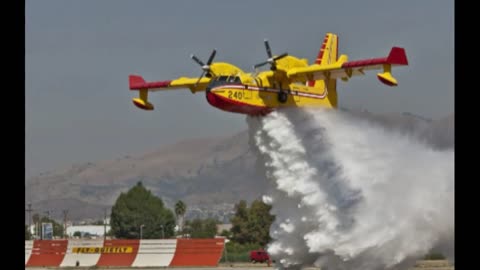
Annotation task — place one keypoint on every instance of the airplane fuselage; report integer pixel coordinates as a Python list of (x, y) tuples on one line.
[(251, 99)]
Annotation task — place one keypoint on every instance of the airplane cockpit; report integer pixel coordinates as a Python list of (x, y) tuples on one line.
[(223, 80)]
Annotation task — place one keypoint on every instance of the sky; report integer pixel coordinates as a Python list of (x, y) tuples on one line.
[(78, 55)]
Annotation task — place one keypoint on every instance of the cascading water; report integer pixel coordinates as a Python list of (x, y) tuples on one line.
[(348, 193)]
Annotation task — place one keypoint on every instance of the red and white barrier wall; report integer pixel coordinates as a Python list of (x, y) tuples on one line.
[(151, 252), (71, 257)]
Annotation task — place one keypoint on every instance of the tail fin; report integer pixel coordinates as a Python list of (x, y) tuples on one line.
[(135, 80), (328, 54), (329, 51)]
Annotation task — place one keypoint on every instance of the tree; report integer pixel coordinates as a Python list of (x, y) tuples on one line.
[(259, 222), (226, 234), (180, 209), (239, 223), (28, 235), (140, 207), (252, 225), (434, 256), (77, 234), (201, 228)]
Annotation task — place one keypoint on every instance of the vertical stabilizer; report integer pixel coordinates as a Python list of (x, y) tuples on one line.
[(328, 54), (329, 51)]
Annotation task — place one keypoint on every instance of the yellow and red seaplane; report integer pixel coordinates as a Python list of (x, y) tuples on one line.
[(290, 81)]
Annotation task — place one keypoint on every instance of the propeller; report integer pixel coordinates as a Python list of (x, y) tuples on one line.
[(271, 60), (206, 67)]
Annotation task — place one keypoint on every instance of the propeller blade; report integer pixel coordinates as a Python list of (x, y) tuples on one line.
[(269, 51), (201, 76), (209, 62), (197, 60), (280, 56), (260, 64)]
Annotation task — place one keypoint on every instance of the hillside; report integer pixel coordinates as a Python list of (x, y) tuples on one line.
[(206, 173), (209, 174)]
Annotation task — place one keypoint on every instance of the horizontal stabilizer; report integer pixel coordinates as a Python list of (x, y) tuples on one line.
[(136, 82)]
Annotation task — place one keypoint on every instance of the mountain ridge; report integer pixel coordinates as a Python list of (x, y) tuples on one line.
[(209, 174)]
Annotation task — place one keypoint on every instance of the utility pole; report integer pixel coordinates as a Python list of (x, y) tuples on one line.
[(29, 210), (105, 225), (65, 213)]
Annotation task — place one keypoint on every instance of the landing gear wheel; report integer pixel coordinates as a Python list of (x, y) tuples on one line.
[(282, 97)]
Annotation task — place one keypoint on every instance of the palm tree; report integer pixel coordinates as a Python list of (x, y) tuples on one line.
[(180, 209)]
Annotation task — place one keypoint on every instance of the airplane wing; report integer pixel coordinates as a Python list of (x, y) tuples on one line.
[(137, 83), (346, 69)]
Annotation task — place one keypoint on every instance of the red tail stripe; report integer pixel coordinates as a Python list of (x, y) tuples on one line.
[(137, 82), (397, 56)]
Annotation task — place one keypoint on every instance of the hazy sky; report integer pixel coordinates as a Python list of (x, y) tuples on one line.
[(79, 55)]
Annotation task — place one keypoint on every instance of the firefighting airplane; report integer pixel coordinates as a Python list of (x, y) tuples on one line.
[(290, 82)]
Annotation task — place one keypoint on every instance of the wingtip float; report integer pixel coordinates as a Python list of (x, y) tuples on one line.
[(289, 82)]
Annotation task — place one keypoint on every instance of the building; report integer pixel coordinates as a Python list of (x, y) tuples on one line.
[(222, 227), (88, 230)]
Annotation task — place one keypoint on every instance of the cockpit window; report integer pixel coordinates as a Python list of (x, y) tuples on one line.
[(222, 80), (230, 79), (234, 79)]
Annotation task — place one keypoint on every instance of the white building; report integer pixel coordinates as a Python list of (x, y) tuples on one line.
[(93, 230), (222, 227)]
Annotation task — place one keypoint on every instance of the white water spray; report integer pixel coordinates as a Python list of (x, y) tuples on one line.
[(349, 194)]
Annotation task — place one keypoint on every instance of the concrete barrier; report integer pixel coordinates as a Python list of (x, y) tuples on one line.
[(119, 253), (155, 253), (123, 252), (28, 250), (47, 252), (198, 252), (74, 255)]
